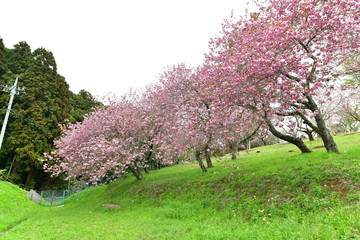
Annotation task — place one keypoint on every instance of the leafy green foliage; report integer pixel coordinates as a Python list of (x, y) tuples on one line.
[(36, 113), (82, 104)]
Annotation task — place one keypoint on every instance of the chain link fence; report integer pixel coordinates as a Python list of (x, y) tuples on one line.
[(57, 197), (53, 197), (49, 197)]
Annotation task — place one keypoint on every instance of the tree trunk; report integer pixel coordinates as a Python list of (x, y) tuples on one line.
[(294, 140), (324, 133), (310, 135), (198, 159), (153, 165), (232, 148), (148, 160), (29, 177), (136, 172), (208, 157), (208, 160), (263, 141)]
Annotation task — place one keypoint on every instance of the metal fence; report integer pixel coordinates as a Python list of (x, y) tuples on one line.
[(57, 197), (53, 197), (49, 197)]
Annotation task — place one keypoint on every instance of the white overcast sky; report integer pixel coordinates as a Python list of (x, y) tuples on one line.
[(110, 46)]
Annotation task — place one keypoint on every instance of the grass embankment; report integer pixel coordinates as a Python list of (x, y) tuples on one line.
[(14, 206), (277, 193)]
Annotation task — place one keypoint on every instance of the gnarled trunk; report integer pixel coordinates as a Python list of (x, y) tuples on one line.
[(208, 157), (310, 135), (136, 172), (291, 139), (232, 148), (148, 159), (324, 133), (198, 159)]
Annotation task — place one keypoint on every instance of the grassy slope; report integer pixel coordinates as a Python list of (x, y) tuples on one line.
[(274, 194), (14, 206)]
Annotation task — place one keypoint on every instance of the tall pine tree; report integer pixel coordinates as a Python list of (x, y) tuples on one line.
[(36, 115)]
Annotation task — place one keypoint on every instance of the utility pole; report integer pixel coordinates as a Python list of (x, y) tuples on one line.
[(13, 90)]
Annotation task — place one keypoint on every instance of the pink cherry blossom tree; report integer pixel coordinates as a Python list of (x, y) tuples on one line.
[(186, 133), (277, 58), (111, 140), (203, 118)]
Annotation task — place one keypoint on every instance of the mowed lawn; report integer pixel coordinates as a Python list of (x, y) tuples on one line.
[(272, 192)]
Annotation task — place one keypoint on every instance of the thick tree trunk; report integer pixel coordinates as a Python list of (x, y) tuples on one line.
[(208, 157), (324, 133), (233, 155), (136, 172), (198, 159), (294, 140), (208, 160)]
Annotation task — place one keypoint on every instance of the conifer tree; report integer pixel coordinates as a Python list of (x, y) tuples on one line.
[(36, 113), (82, 104)]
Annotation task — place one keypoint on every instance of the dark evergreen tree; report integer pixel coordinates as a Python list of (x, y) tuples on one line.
[(82, 103), (36, 115)]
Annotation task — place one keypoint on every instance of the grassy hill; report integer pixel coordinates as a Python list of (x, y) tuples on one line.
[(14, 206), (273, 192)]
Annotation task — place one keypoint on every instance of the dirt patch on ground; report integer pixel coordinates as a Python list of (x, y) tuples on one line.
[(338, 186), (111, 205), (347, 134)]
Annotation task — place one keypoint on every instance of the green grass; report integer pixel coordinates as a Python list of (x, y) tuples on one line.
[(277, 193), (14, 206)]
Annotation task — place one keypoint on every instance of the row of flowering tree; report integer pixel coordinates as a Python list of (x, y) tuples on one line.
[(265, 72)]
